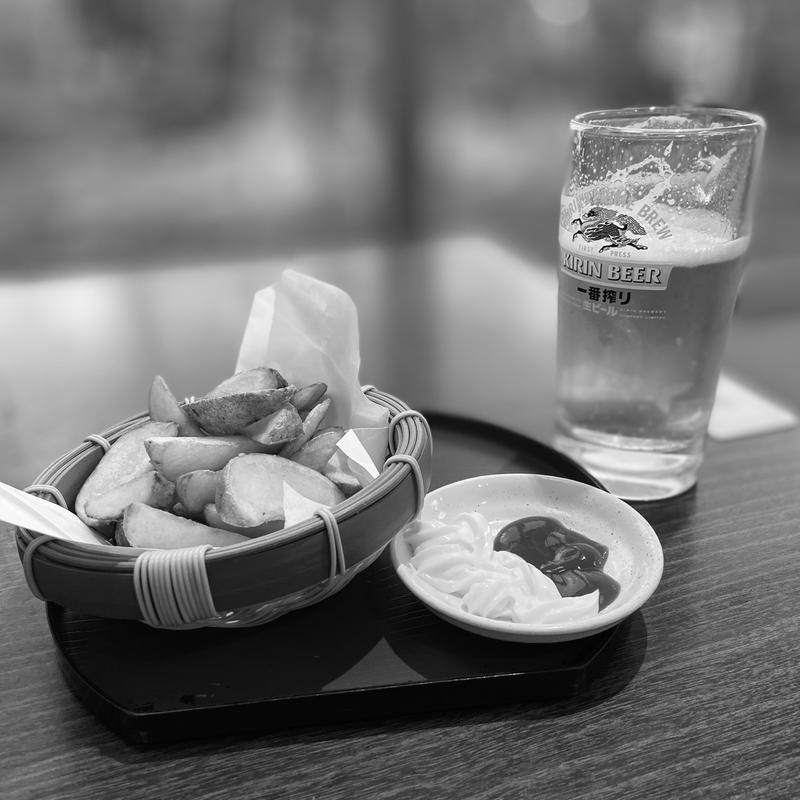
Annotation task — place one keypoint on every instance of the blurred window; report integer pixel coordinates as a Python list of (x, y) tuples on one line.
[(179, 129)]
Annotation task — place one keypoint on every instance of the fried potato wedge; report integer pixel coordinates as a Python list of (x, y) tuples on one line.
[(306, 397), (346, 482), (226, 414), (150, 488), (180, 511), (143, 526), (125, 460), (311, 423), (281, 426), (164, 407), (251, 490), (338, 471), (317, 451), (196, 489), (212, 517), (172, 456), (249, 380)]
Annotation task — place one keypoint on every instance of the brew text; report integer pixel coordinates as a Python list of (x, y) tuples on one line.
[(657, 223)]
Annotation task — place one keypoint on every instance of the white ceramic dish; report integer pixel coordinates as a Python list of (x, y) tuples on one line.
[(635, 557)]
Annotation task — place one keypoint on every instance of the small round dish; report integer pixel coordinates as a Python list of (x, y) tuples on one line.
[(635, 558)]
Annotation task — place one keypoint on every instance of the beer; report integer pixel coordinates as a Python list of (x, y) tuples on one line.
[(640, 339)]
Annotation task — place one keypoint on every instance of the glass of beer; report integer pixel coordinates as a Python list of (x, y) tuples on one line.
[(654, 228)]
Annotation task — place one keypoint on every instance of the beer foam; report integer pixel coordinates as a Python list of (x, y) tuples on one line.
[(665, 122), (696, 237), (689, 247), (672, 122)]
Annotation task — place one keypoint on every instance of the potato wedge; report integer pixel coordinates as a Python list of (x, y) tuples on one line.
[(306, 397), (223, 415), (143, 526), (312, 421), (180, 511), (317, 451), (251, 490), (125, 460), (164, 407), (345, 481), (339, 472), (212, 517), (249, 380), (172, 456), (277, 428), (150, 488), (195, 489)]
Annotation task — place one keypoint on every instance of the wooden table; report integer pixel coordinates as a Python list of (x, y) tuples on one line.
[(701, 698)]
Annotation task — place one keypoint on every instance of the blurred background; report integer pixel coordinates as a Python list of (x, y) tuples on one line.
[(197, 131)]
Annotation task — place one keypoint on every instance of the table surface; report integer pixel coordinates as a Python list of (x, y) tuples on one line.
[(699, 700)]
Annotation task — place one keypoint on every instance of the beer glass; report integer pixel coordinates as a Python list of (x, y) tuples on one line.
[(653, 233)]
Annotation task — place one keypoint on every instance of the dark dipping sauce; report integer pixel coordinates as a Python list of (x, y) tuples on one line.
[(572, 561)]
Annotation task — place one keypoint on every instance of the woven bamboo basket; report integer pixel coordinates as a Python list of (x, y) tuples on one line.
[(238, 585)]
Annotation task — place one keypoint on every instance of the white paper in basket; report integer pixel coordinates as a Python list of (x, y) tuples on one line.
[(308, 330), (35, 514)]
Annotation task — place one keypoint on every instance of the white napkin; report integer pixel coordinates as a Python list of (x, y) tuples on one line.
[(359, 460), (31, 512), (308, 331), (740, 411)]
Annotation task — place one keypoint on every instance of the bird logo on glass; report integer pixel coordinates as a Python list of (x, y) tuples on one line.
[(600, 224)]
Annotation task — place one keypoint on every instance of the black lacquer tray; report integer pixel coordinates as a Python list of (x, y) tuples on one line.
[(371, 651)]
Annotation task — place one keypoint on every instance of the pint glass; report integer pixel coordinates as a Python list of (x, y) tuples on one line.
[(653, 233)]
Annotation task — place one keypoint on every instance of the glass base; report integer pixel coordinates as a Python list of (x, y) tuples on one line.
[(636, 475)]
